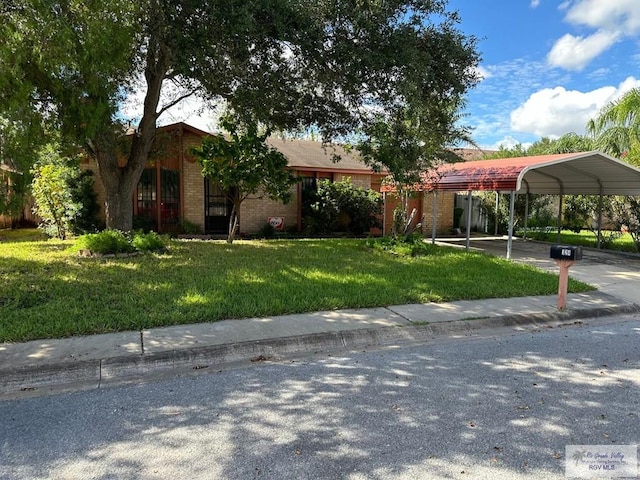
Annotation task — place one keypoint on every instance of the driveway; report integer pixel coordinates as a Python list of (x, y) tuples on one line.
[(614, 273)]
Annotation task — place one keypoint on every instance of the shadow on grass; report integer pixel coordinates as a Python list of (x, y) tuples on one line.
[(63, 295)]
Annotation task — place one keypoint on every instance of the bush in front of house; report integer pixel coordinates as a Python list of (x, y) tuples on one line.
[(266, 232), (343, 207), (114, 241), (105, 242), (148, 242), (410, 246)]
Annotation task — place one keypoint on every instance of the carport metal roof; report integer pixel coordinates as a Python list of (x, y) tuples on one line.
[(585, 173)]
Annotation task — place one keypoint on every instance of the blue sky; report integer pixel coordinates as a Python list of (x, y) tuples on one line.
[(548, 65)]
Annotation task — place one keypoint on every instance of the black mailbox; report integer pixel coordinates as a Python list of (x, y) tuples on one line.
[(566, 252)]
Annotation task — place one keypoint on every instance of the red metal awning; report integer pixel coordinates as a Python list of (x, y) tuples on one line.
[(584, 173)]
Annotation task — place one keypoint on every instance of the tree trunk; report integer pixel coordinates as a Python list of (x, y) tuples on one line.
[(119, 207), (120, 181), (233, 224)]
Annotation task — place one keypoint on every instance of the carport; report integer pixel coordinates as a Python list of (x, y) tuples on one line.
[(584, 173)]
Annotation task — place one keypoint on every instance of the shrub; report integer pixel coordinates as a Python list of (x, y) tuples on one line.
[(106, 242), (54, 202), (114, 241), (410, 246), (266, 231), (143, 223), (341, 206), (190, 228), (84, 195), (148, 242)]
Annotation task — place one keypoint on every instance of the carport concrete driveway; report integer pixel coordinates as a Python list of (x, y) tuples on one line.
[(613, 273)]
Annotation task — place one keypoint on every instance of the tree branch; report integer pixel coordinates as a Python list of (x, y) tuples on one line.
[(177, 100)]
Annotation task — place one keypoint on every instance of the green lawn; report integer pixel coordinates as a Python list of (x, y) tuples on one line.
[(49, 292), (586, 238)]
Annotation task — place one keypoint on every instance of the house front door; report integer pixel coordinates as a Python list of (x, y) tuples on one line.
[(158, 208), (217, 208)]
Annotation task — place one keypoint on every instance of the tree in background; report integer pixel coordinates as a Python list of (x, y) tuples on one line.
[(624, 213), (244, 165), (17, 153), (287, 64), (616, 131), (567, 143), (616, 127)]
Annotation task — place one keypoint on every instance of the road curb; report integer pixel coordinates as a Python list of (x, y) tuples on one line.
[(89, 374)]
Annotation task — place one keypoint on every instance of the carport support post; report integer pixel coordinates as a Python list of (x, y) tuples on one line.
[(526, 215), (560, 216), (497, 214), (512, 207), (434, 218), (384, 213), (468, 219), (600, 219)]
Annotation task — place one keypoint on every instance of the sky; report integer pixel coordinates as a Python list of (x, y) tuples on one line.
[(548, 65)]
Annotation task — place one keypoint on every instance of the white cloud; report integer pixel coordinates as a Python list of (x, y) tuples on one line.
[(612, 20), (574, 53), (507, 142), (600, 73), (482, 73), (552, 112), (564, 5), (621, 16), (535, 3)]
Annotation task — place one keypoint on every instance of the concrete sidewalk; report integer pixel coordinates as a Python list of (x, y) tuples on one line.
[(45, 366)]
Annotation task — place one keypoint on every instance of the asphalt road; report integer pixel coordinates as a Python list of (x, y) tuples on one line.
[(503, 406)]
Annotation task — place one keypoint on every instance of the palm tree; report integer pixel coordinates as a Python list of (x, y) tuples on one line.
[(616, 127)]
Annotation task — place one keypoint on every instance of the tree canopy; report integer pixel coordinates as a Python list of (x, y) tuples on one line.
[(616, 127), (286, 64)]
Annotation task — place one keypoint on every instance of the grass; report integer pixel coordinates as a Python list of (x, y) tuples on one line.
[(49, 292), (586, 238)]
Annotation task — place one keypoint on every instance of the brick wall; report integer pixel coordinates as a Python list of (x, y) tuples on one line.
[(193, 196), (362, 181), (255, 211), (446, 203)]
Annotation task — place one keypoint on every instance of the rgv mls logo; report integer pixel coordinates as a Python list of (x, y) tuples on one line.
[(601, 461)]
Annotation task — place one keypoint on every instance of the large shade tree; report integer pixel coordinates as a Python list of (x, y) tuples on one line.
[(289, 64)]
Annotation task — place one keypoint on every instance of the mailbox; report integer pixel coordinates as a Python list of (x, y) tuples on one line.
[(566, 252)]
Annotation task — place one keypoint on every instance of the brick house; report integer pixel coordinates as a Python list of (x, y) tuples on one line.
[(172, 190)]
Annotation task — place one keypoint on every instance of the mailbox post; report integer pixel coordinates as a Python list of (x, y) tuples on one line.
[(564, 256)]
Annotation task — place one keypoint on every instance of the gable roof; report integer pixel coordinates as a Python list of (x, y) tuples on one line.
[(307, 154), (583, 173), (302, 154)]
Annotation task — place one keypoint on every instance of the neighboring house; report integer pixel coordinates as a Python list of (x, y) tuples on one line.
[(26, 216), (172, 190)]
